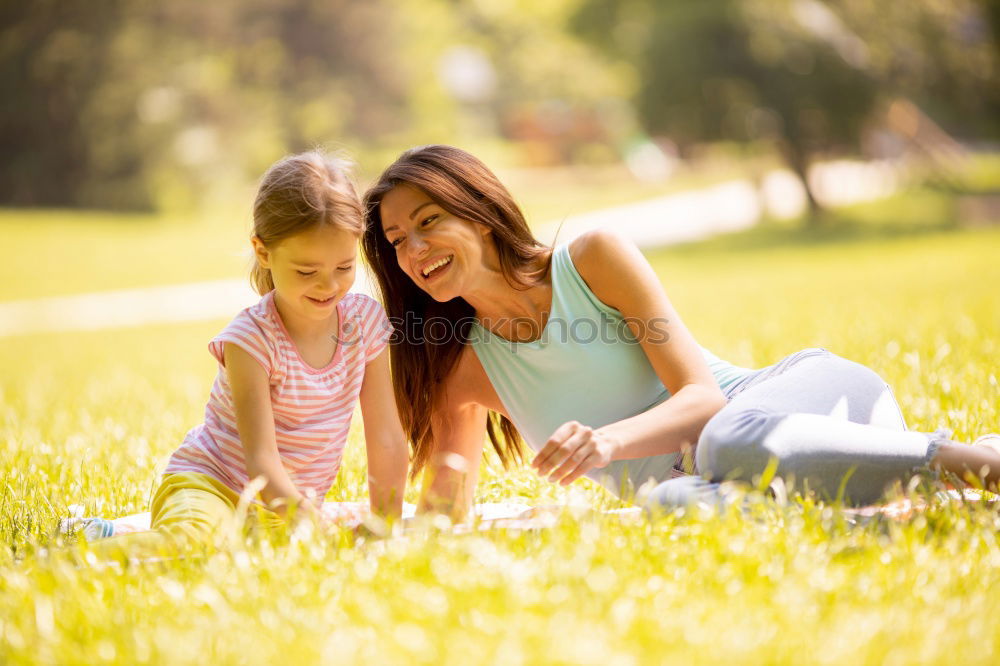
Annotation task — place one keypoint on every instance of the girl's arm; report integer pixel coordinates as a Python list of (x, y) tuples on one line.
[(385, 441), (255, 425), (620, 277)]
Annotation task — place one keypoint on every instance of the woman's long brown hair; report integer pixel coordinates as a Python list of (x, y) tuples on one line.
[(466, 188)]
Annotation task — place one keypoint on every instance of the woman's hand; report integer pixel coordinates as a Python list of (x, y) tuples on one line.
[(573, 450), (385, 441)]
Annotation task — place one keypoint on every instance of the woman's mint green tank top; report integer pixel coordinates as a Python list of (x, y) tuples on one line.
[(586, 367)]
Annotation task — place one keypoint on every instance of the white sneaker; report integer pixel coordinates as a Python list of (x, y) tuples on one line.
[(91, 528)]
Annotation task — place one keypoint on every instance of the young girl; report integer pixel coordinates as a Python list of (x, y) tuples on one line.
[(291, 369)]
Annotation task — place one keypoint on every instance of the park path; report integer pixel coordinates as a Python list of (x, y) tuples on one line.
[(674, 218)]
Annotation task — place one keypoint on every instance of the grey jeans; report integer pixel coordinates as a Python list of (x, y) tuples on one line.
[(832, 425)]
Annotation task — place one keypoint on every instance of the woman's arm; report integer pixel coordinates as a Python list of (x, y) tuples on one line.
[(449, 483), (385, 441), (459, 425), (620, 277), (255, 425)]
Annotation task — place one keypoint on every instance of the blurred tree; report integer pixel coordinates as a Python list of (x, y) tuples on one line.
[(153, 105), (736, 70), (804, 74), (513, 71), (53, 55), (944, 56), (139, 105), (558, 97)]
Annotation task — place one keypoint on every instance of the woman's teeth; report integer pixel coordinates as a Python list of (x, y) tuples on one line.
[(437, 264)]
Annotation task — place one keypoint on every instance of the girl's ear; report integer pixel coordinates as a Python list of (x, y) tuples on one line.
[(484, 230), (261, 252)]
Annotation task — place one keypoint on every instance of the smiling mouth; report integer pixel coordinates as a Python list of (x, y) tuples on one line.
[(432, 271), (321, 301)]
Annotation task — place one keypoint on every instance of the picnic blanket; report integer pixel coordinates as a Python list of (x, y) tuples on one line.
[(517, 515), (350, 515)]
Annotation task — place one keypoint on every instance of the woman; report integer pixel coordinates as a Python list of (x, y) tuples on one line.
[(578, 349)]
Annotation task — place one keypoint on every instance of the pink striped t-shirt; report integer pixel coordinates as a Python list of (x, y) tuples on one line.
[(312, 406)]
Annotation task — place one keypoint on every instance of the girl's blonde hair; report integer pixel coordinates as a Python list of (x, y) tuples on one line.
[(297, 194)]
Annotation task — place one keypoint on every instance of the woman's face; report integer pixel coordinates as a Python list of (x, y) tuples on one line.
[(441, 253)]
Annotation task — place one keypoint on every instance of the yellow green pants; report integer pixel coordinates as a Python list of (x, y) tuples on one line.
[(188, 509)]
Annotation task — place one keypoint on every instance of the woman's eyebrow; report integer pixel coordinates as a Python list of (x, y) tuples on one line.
[(413, 214), (419, 208)]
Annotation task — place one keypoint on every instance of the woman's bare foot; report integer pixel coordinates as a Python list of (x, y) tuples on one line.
[(979, 463), (991, 441)]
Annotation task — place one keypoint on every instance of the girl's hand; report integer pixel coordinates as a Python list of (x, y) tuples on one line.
[(573, 450)]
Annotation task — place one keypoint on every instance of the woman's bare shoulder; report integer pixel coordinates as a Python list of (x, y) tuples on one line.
[(608, 262), (594, 248)]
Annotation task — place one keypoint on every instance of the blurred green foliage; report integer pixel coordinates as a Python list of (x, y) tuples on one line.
[(155, 99), (140, 105), (806, 76), (151, 105)]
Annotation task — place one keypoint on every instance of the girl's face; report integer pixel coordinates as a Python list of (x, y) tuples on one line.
[(441, 253), (311, 270)]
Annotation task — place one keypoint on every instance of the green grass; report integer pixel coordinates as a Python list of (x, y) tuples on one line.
[(90, 417), (62, 252), (58, 252), (54, 253)]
